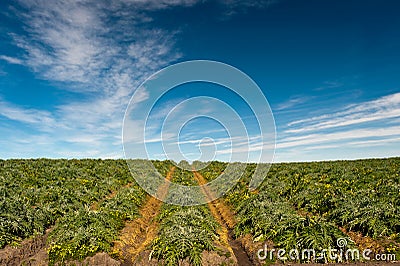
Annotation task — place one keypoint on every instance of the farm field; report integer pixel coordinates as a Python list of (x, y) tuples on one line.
[(92, 212)]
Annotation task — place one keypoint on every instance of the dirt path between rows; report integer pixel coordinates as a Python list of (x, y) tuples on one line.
[(224, 216), (139, 233)]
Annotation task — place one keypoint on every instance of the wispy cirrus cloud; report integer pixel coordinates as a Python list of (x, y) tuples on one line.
[(386, 107), (292, 102), (340, 137), (100, 50), (329, 85), (30, 116), (363, 125), (11, 60), (93, 48), (80, 46)]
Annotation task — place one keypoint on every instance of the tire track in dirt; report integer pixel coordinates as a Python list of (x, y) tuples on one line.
[(139, 233), (224, 216)]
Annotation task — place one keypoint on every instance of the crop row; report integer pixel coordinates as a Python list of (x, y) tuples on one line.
[(184, 231), (35, 193), (303, 204), (73, 198), (357, 195), (87, 231)]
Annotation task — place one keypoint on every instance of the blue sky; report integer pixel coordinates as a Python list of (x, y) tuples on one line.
[(329, 70)]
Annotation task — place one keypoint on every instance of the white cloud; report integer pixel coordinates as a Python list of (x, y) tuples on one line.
[(74, 44), (79, 46), (11, 60), (360, 125), (329, 85), (377, 142), (292, 102), (314, 139), (38, 118), (101, 50), (387, 107)]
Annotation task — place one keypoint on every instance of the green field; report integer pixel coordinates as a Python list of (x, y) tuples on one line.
[(83, 206)]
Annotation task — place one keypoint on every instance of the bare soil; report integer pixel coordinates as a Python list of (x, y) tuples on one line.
[(100, 259), (25, 252), (224, 216), (139, 233)]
